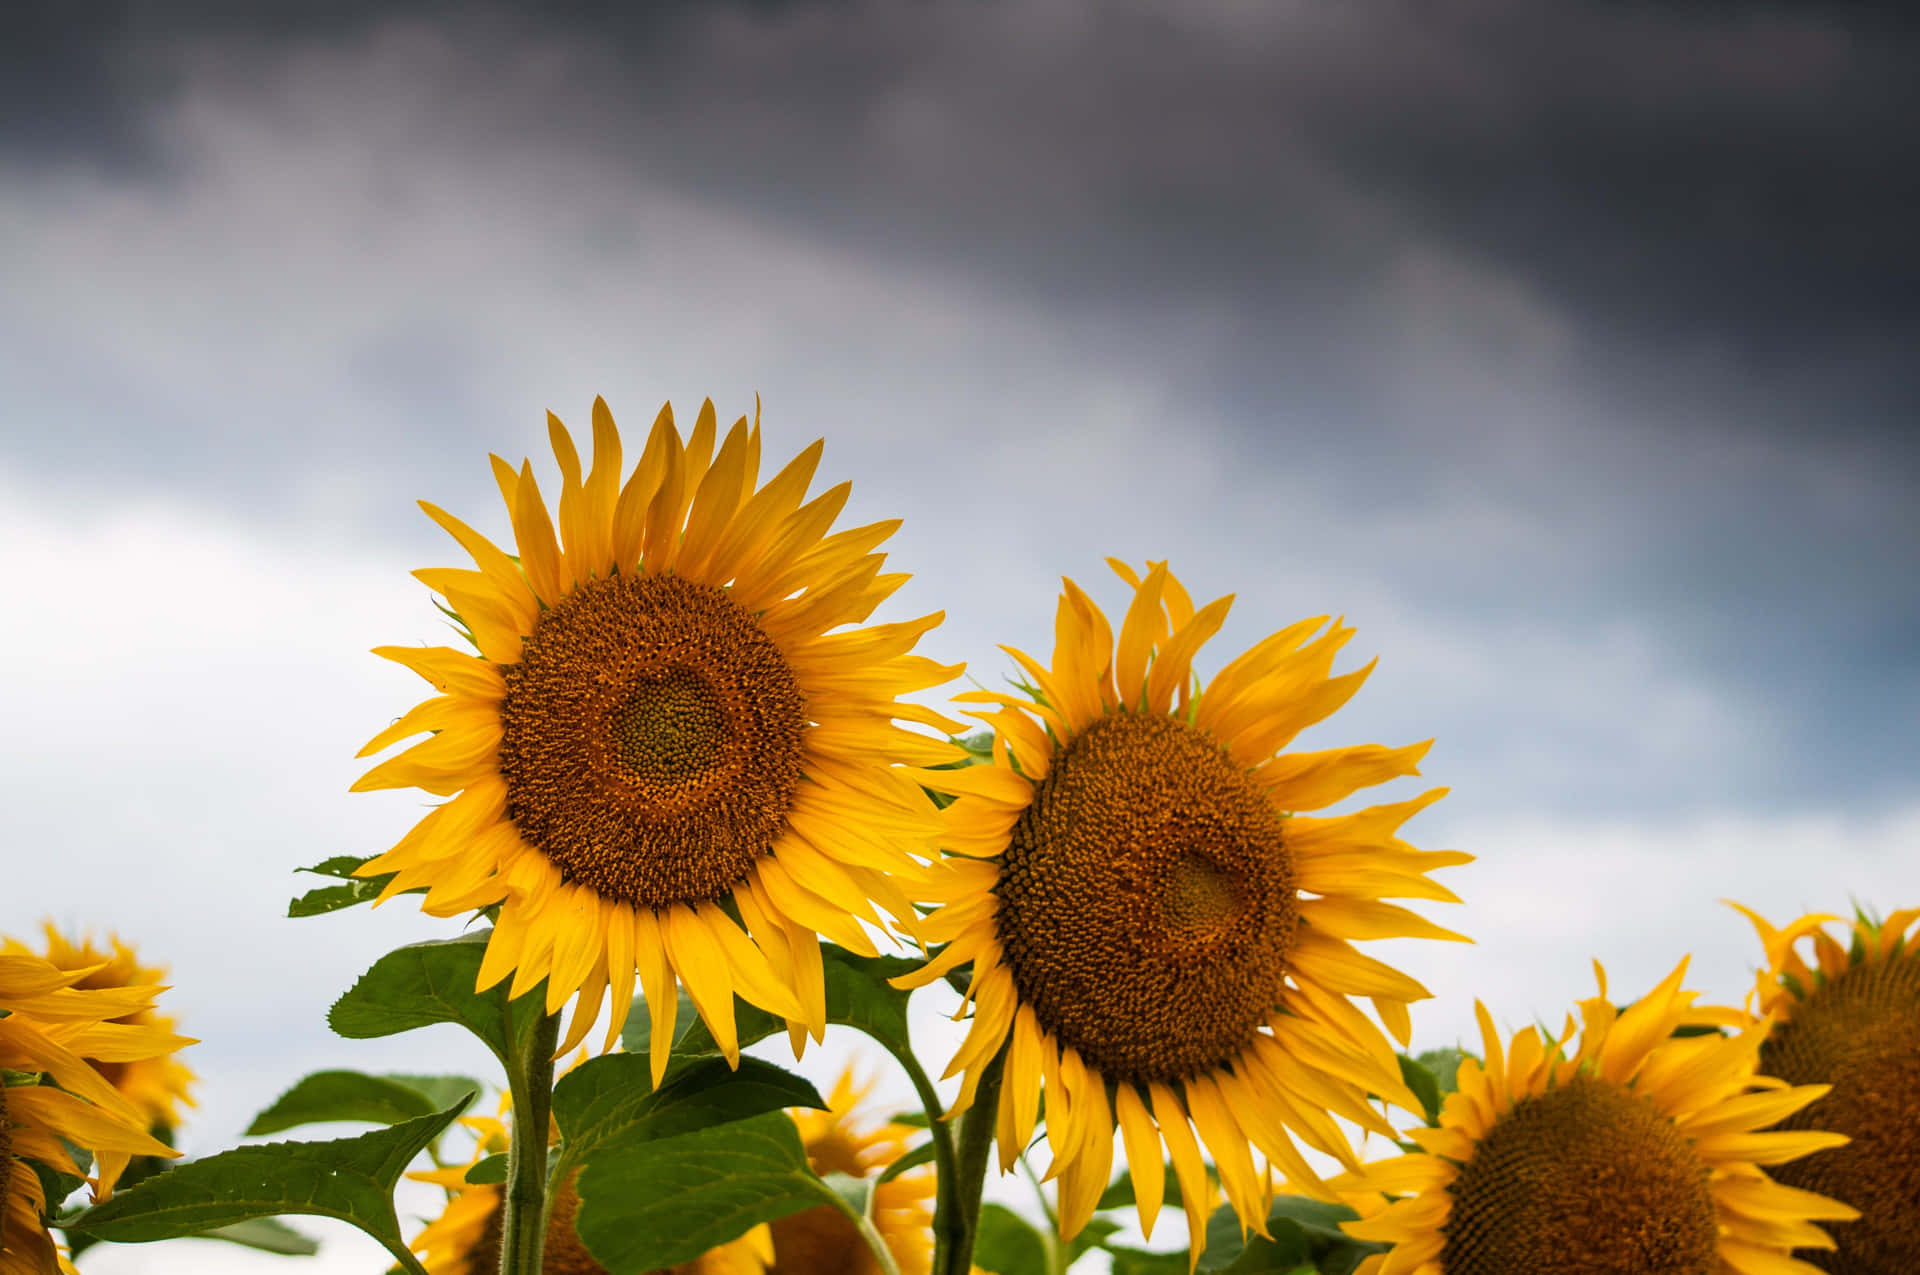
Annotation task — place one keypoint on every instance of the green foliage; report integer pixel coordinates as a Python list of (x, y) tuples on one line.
[(1303, 1233), (268, 1235), (607, 1101), (331, 898), (1007, 1244), (1119, 1192), (328, 1096), (491, 1171), (922, 1154), (351, 1179), (652, 1204), (858, 996), (426, 983)]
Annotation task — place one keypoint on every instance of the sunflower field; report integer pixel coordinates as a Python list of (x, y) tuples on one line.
[(683, 798)]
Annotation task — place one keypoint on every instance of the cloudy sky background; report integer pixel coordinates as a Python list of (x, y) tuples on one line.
[(1565, 350)]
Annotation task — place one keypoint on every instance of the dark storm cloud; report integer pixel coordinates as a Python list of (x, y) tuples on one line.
[(1642, 275)]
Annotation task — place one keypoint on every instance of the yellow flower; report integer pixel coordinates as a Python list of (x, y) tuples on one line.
[(1851, 1020), (822, 1240), (465, 1239), (1637, 1153), (53, 1030), (668, 725), (1156, 937), (158, 1086)]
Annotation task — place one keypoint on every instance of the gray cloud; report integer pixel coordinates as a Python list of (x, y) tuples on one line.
[(1571, 335)]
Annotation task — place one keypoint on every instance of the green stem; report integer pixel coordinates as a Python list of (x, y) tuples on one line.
[(970, 1171), (1050, 1237), (882, 1255), (523, 1218), (407, 1261), (946, 1211)]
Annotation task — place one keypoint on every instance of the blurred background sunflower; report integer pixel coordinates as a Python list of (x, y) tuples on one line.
[(1850, 1019), (672, 749), (1636, 1152), (56, 1039), (465, 1238), (158, 1086), (1145, 912)]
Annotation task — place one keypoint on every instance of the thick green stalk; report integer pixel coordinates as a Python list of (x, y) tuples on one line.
[(970, 1176), (947, 1226), (523, 1218)]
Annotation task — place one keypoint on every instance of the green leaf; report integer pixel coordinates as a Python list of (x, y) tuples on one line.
[(332, 898), (654, 1204), (491, 1171), (441, 1091), (1444, 1064), (858, 996), (327, 1096), (1094, 1234), (922, 1154), (1425, 1086), (269, 1235), (1305, 1233), (1119, 1192), (1139, 1261), (351, 1179), (342, 866), (607, 1100), (426, 983), (1008, 1244)]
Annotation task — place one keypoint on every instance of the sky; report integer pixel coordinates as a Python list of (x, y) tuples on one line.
[(1563, 349)]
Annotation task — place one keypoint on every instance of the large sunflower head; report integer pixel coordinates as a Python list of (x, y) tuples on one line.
[(159, 1086), (54, 1037), (1160, 939), (1635, 1153), (1850, 1019), (668, 751), (465, 1238)]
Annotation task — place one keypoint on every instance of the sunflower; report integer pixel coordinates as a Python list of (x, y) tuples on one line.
[(1852, 1020), (670, 754), (821, 1240), (1156, 937), (1636, 1154), (158, 1086), (53, 1037), (465, 1239)]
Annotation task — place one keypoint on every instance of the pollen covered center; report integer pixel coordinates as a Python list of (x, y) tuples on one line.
[(1860, 1033), (1146, 900), (652, 740), (1583, 1179)]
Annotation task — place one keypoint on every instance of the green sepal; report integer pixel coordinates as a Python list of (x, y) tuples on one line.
[(432, 982), (351, 1179), (654, 1204), (335, 1096)]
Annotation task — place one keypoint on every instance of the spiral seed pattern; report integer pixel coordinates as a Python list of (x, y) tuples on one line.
[(1586, 1179), (1146, 901), (653, 739)]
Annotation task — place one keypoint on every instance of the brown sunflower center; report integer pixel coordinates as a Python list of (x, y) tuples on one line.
[(653, 738), (1587, 1179), (1147, 904), (1860, 1033), (819, 1241)]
